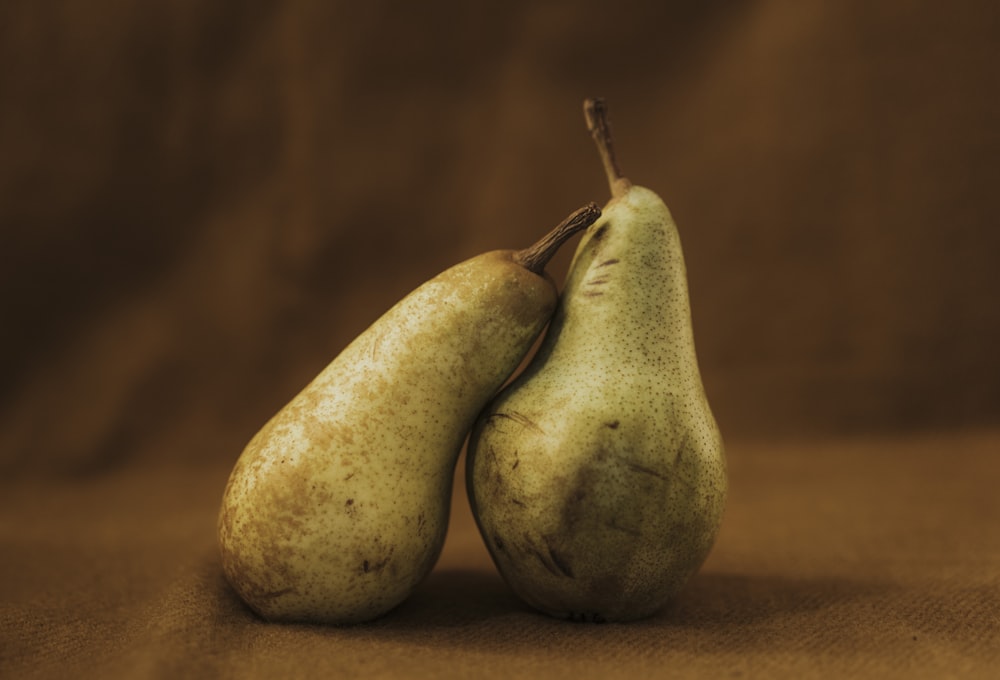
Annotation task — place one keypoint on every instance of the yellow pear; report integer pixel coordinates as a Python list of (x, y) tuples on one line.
[(338, 507), (598, 476)]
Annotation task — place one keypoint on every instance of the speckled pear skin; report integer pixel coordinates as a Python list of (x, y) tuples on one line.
[(338, 507), (598, 478)]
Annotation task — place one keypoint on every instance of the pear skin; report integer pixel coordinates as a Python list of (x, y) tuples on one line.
[(597, 478), (337, 508)]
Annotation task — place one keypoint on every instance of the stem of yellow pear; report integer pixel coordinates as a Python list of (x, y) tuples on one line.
[(595, 110), (537, 256)]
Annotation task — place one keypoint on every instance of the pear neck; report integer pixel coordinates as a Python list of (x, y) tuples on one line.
[(630, 274), (620, 187)]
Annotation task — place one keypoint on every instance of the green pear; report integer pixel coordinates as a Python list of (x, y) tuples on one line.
[(338, 507), (598, 477)]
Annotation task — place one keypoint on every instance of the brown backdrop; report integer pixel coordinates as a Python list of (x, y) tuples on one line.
[(200, 204)]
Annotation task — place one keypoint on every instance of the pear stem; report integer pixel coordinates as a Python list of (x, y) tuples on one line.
[(595, 110), (537, 256)]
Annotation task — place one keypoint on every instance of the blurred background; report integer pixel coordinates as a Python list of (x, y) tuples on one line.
[(202, 203)]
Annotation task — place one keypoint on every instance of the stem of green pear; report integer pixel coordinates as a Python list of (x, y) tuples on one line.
[(595, 110), (537, 256)]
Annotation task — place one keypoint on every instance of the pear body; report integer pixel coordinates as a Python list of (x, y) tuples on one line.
[(338, 506), (597, 477)]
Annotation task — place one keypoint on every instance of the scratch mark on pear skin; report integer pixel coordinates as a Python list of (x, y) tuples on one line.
[(642, 469), (599, 280), (274, 593), (592, 293), (545, 563), (558, 560), (368, 567), (545, 560), (682, 447), (625, 530), (521, 419), (613, 260)]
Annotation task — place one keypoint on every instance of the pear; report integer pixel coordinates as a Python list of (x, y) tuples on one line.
[(338, 507), (597, 477)]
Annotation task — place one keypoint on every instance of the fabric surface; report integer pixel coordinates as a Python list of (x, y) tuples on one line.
[(866, 557), (202, 203)]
